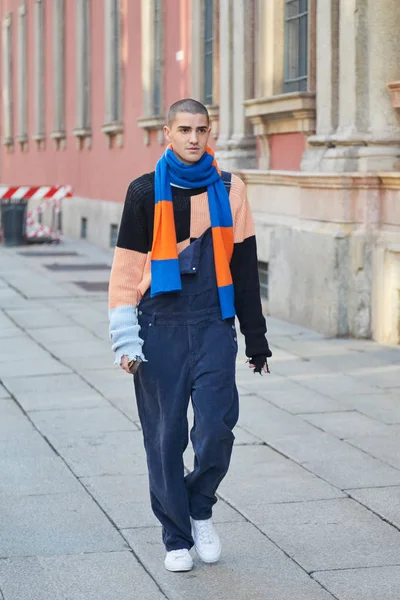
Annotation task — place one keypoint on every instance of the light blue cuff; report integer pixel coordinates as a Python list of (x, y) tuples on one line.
[(124, 333)]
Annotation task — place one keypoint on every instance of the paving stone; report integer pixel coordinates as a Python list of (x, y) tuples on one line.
[(13, 422), (348, 424), (55, 524), (357, 538), (303, 401), (3, 393), (72, 333), (50, 401), (386, 376), (298, 367), (384, 407), (339, 463), (268, 422), (59, 425), (273, 479), (27, 475), (244, 438), (126, 404), (79, 349), (126, 500), (25, 444), (53, 384), (242, 573), (84, 363), (21, 349), (46, 365), (380, 583), (38, 318), (112, 453), (111, 576), (383, 501), (384, 447), (338, 386)]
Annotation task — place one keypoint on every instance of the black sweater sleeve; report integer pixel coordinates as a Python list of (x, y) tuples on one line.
[(244, 269)]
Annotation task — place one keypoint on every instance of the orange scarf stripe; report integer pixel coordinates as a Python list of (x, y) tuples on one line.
[(165, 248), (223, 246)]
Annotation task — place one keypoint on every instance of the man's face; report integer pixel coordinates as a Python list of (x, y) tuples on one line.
[(188, 135)]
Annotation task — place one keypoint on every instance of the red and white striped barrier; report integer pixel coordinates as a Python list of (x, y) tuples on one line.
[(47, 196)]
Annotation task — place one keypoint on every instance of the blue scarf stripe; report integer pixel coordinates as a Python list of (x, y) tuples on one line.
[(165, 277), (227, 301)]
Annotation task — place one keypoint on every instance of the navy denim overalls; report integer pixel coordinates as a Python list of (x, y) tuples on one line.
[(191, 353)]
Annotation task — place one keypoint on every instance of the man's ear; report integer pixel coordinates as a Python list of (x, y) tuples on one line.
[(167, 133)]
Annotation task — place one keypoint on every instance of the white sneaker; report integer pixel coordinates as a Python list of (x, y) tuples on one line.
[(178, 560), (206, 541)]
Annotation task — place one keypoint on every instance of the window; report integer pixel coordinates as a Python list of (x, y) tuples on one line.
[(22, 134), (296, 46), (39, 82), (59, 71), (83, 228), (263, 275), (7, 81), (157, 70), (208, 51), (113, 235), (83, 120), (113, 68)]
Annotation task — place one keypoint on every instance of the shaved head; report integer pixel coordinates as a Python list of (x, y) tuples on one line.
[(188, 105)]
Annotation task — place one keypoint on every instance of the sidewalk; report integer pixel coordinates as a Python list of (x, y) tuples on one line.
[(310, 509)]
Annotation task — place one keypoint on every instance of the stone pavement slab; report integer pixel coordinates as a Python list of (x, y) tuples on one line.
[(384, 447), (53, 384), (349, 424), (385, 502), (31, 444), (28, 475), (33, 367), (109, 453), (61, 400), (274, 479), (355, 536), (384, 407), (251, 568), (380, 583), (13, 422), (126, 499), (106, 576), (55, 524), (337, 462), (60, 425)]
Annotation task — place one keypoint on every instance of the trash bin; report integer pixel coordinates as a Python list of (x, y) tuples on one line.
[(13, 220)]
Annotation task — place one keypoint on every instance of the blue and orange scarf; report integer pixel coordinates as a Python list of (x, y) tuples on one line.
[(165, 273)]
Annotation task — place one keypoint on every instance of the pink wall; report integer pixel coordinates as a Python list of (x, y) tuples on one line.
[(286, 151), (99, 172)]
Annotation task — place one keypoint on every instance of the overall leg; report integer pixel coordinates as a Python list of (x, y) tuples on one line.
[(216, 410), (162, 388)]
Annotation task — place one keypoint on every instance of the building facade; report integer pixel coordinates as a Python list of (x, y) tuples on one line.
[(304, 103)]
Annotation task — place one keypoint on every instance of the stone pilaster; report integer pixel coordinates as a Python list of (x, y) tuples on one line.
[(357, 128), (236, 147)]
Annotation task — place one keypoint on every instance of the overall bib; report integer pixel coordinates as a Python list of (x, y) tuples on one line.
[(191, 354)]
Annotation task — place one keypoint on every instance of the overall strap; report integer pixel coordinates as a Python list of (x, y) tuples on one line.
[(226, 178)]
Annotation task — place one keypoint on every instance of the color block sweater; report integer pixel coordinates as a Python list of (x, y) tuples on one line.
[(131, 273)]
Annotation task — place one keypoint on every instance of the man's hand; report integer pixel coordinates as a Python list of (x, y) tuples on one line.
[(124, 364), (259, 364)]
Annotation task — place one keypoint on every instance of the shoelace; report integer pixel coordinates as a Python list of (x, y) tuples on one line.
[(205, 533)]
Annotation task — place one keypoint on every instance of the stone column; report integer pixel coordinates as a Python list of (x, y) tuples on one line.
[(238, 149), (225, 61), (383, 28), (357, 104), (327, 83)]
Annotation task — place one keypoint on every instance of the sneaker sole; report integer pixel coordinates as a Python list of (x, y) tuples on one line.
[(207, 560), (174, 570)]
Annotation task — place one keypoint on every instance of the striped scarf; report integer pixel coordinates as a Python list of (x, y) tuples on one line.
[(165, 272)]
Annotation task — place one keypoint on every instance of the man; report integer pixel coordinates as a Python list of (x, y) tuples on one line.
[(185, 264)]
